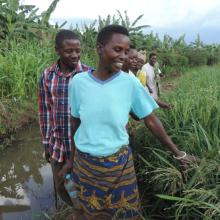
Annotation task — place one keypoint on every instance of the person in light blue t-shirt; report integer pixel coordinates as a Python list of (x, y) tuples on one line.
[(100, 103), (103, 107)]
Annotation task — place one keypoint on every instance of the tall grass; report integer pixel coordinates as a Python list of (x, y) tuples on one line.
[(21, 65), (20, 68), (194, 124), (197, 109)]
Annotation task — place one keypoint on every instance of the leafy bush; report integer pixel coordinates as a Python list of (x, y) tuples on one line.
[(197, 57), (212, 59)]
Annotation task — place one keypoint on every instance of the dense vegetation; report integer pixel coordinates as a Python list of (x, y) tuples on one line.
[(26, 48), (194, 124)]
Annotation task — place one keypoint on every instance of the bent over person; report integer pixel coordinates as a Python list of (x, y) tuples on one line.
[(54, 112), (100, 103)]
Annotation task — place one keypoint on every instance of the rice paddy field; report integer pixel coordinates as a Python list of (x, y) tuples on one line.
[(169, 192)]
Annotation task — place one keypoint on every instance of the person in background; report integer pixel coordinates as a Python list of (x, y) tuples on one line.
[(149, 69), (158, 75), (141, 75), (133, 66), (54, 114), (100, 102), (132, 61)]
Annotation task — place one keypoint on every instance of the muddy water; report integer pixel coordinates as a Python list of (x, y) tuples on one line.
[(26, 184)]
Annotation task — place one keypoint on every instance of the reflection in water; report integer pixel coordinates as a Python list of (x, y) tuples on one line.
[(26, 185)]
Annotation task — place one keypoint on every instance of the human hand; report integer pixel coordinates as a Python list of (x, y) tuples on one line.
[(186, 159), (168, 106), (66, 168), (150, 90), (164, 105)]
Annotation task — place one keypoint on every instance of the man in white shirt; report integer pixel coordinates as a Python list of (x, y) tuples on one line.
[(149, 69), (133, 68)]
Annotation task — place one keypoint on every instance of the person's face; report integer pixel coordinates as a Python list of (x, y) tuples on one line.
[(69, 53), (153, 60), (125, 67), (133, 57), (140, 63), (114, 53)]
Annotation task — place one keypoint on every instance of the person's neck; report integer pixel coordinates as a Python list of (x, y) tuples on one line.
[(151, 64), (134, 71), (65, 69), (125, 69), (103, 74)]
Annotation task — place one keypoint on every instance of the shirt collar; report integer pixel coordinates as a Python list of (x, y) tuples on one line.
[(55, 68)]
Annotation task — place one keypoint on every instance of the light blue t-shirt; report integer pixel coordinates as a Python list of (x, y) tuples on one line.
[(103, 108)]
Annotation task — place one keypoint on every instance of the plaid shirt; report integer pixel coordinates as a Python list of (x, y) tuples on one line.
[(54, 113)]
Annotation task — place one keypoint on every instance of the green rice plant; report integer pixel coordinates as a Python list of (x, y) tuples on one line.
[(194, 125), (197, 109)]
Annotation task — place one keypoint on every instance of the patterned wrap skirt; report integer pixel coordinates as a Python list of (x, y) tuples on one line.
[(107, 186)]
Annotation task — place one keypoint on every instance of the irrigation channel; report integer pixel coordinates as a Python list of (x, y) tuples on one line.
[(26, 183)]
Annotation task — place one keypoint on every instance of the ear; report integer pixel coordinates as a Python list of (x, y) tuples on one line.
[(99, 48)]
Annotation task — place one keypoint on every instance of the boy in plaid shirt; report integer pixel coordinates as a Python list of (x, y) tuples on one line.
[(54, 114)]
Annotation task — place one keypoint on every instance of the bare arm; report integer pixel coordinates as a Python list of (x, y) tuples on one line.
[(75, 122), (156, 127), (163, 104), (149, 88)]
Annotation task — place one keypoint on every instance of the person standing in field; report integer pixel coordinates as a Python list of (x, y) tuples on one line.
[(133, 66), (151, 77), (158, 75), (141, 75), (132, 61), (54, 114), (100, 103)]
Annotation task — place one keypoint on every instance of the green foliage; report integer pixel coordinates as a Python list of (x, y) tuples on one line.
[(46, 15), (87, 35), (131, 26), (21, 21), (194, 124), (172, 62), (16, 21), (197, 57), (14, 114), (26, 48), (177, 55), (20, 68)]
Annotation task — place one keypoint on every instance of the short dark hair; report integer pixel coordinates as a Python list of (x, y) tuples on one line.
[(63, 35), (106, 33), (152, 54)]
